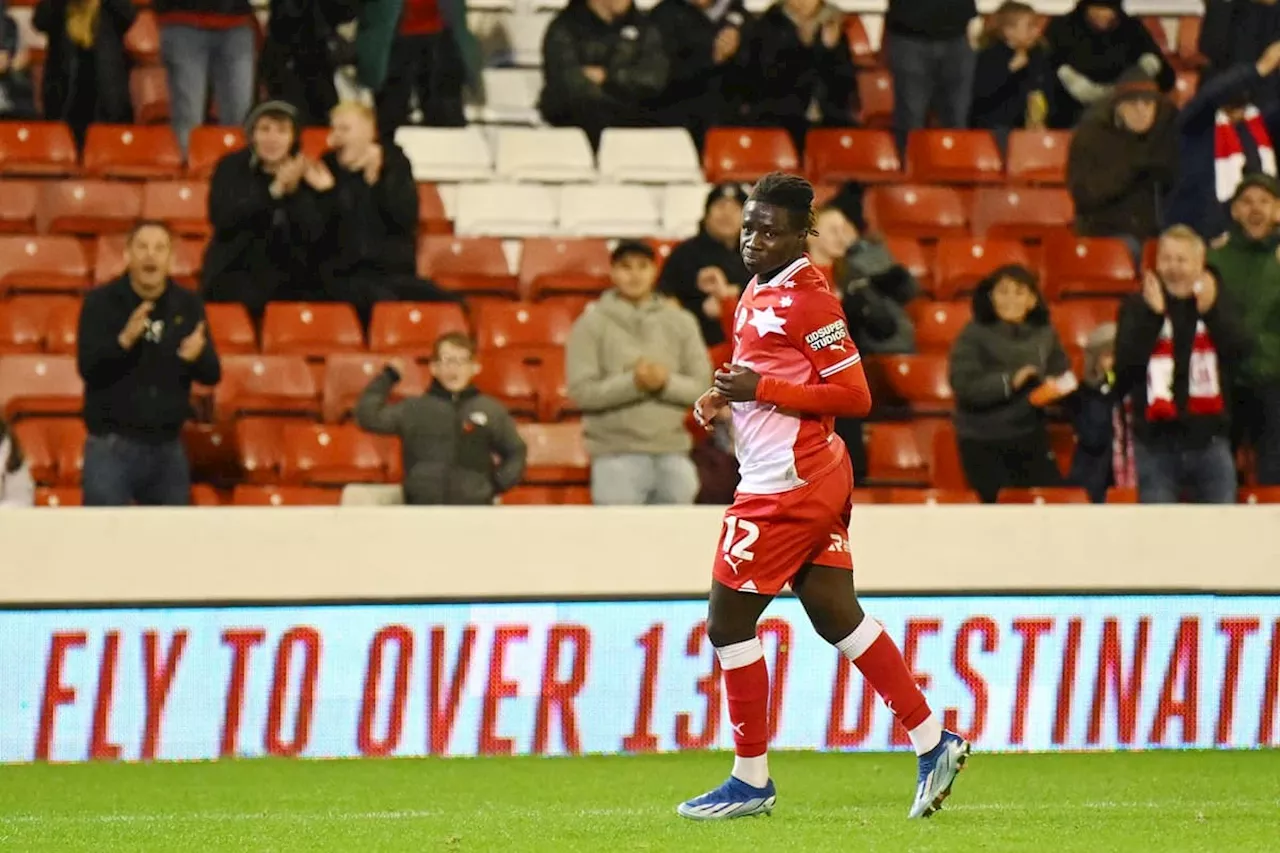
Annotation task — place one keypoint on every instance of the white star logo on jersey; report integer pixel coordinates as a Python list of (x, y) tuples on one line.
[(785, 302), (766, 321)]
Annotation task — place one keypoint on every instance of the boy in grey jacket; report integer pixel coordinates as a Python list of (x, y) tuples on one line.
[(450, 435), (636, 363)]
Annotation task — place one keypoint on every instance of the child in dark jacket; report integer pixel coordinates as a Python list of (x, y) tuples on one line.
[(1010, 79), (1104, 444)]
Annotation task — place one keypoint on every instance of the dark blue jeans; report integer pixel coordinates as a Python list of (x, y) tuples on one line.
[(120, 472), (1207, 474), (930, 76)]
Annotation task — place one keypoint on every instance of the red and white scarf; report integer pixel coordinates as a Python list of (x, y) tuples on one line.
[(1123, 466), (1228, 152), (1204, 390)]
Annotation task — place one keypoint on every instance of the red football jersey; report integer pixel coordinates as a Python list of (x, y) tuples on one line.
[(791, 327)]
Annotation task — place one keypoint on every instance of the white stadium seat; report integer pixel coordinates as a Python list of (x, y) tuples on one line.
[(525, 33), (550, 154), (682, 209), (658, 155), (510, 96), (446, 153), (505, 210), (608, 211)]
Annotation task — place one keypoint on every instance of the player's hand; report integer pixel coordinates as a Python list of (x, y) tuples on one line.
[(193, 344), (318, 177), (708, 408), (1025, 374), (726, 45), (596, 74), (136, 325), (1206, 292), (1153, 292), (736, 383)]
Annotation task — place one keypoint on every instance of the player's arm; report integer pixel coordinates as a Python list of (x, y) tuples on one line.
[(819, 330)]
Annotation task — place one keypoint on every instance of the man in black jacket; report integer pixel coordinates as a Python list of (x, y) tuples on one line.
[(449, 436), (701, 38), (1177, 347), (603, 61), (931, 61), (369, 249), (268, 216), (705, 271), (142, 343)]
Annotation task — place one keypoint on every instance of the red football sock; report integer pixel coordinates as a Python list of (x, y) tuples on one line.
[(877, 657), (746, 685)]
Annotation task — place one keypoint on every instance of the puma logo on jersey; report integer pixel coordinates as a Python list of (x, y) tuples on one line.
[(830, 336)]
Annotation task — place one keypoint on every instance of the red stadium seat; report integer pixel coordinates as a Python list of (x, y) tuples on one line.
[(1039, 156), (184, 263), (962, 262), (213, 451), (61, 325), (1088, 266), (37, 448), (1260, 495), (922, 212), (1076, 319), (875, 95), (183, 205), (43, 264), (893, 455), (945, 471), (142, 40), (839, 155), (547, 496), (552, 265), (149, 91), (938, 324), (908, 252), (467, 264), (431, 214), (316, 454), (1063, 495), (916, 381), (864, 55), (21, 326), (132, 151), (286, 496), (258, 445), (557, 453), (39, 385), (747, 153), (954, 157), (230, 328), (37, 148), (203, 494), (18, 201), (411, 328), (1062, 443), (56, 496), (514, 380), (1122, 495), (1155, 26), (266, 385), (208, 145), (1184, 87), (313, 329), (1023, 213), (346, 377), (519, 325), (89, 207), (315, 142), (1189, 56), (929, 496)]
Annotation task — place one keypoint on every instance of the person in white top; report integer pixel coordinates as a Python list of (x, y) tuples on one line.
[(16, 486)]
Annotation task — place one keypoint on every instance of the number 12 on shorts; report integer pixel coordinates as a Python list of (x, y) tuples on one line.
[(737, 551)]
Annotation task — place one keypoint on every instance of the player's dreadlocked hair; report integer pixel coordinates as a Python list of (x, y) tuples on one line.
[(792, 193)]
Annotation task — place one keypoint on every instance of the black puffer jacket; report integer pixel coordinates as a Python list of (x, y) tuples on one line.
[(629, 48), (373, 228), (929, 19), (694, 94)]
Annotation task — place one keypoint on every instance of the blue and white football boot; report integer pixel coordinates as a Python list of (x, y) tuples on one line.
[(734, 798), (938, 770)]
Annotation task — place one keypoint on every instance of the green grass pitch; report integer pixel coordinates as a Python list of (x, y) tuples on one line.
[(1166, 802)]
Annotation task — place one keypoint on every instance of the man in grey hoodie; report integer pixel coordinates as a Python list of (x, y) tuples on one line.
[(636, 363)]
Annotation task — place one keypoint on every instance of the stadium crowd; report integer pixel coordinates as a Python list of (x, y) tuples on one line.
[(1171, 391)]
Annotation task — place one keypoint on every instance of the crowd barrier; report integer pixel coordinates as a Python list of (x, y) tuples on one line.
[(173, 634)]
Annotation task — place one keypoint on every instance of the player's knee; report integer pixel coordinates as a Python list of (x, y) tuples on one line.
[(724, 630)]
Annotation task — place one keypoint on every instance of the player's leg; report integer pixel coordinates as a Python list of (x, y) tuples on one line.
[(829, 599), (732, 617)]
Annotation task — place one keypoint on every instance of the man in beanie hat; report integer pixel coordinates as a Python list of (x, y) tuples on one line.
[(268, 211), (1090, 47), (1123, 161), (706, 270), (1249, 270)]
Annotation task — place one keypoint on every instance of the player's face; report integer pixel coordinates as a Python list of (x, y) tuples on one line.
[(454, 367), (769, 239), (147, 258), (1012, 300), (633, 276), (1255, 210)]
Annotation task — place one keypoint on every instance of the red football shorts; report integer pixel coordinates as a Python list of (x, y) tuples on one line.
[(766, 539)]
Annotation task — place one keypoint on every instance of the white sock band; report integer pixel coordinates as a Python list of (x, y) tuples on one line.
[(925, 736), (857, 643), (738, 655)]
